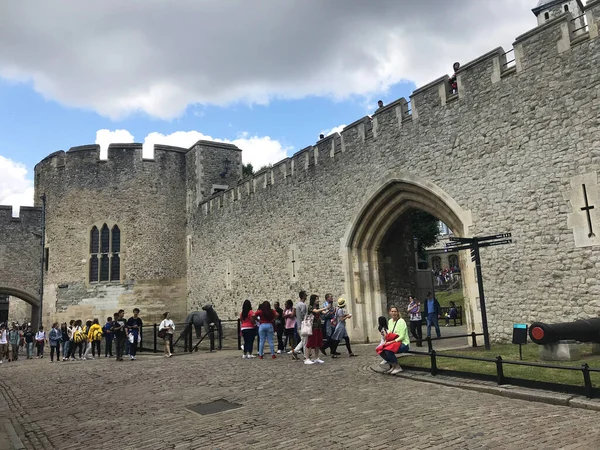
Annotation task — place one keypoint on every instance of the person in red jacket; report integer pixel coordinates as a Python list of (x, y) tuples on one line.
[(247, 320), (265, 329)]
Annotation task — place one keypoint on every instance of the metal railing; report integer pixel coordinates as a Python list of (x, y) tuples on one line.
[(509, 62), (587, 389)]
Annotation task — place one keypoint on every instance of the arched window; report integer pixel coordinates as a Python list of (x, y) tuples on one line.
[(105, 249), (546, 16), (453, 261), (436, 263), (566, 8)]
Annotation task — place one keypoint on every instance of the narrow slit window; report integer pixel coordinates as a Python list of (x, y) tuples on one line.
[(566, 8), (546, 16)]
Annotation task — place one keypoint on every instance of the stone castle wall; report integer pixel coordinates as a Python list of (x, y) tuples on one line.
[(146, 199), (505, 149), (20, 253)]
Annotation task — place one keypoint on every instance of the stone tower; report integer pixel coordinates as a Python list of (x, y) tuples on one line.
[(549, 9)]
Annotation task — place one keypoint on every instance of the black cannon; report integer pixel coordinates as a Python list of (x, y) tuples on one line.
[(581, 330)]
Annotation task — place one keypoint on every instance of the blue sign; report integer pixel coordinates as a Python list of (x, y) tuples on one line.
[(520, 325)]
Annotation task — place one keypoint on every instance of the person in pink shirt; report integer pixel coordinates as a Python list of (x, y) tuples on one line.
[(289, 314), (248, 319)]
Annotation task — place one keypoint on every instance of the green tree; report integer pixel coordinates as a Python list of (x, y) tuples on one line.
[(247, 170), (425, 230)]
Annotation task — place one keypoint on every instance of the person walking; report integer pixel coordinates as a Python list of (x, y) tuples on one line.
[(340, 331), (432, 312), (289, 315), (65, 340), (134, 326), (94, 337), (301, 310), (414, 313), (315, 340), (169, 328), (40, 340), (3, 343), (28, 336)]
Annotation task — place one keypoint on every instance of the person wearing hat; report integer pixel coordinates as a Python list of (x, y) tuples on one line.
[(340, 332)]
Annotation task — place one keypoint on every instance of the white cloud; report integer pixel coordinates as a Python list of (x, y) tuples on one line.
[(337, 129), (105, 137), (15, 188), (116, 58), (257, 150)]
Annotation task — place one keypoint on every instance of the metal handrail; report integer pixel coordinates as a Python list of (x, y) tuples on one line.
[(505, 65)]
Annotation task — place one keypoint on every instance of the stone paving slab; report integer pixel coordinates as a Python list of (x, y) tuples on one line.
[(341, 404)]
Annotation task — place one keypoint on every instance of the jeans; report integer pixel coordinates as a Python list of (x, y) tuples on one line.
[(65, 349), (301, 345), (52, 349), (29, 349), (40, 348), (108, 347), (432, 319), (265, 332), (15, 352), (390, 357), (416, 331), (248, 334)]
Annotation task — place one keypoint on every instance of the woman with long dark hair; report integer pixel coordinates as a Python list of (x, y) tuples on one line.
[(315, 340), (265, 329), (247, 319)]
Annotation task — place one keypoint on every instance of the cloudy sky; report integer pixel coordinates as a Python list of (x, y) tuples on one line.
[(267, 75)]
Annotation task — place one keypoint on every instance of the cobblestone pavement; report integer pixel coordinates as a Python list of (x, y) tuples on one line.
[(286, 404)]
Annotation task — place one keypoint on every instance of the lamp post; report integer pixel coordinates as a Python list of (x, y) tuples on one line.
[(43, 197)]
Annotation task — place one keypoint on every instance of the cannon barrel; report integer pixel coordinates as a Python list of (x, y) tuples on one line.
[(587, 330)]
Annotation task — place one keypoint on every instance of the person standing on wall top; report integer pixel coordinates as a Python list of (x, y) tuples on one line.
[(380, 103), (453, 82), (432, 312)]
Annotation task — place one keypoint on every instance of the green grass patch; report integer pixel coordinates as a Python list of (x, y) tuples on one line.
[(511, 352), (446, 297)]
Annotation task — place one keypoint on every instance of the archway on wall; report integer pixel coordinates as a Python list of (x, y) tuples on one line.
[(28, 297), (367, 248)]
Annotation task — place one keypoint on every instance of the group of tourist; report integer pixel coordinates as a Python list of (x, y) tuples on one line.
[(446, 275), (76, 340), (309, 328)]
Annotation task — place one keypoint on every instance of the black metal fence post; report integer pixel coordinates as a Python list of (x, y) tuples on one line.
[(239, 334), (155, 338), (141, 344), (189, 337), (211, 336), (220, 331), (434, 369), (587, 380), (185, 344), (429, 345), (499, 370), (474, 337)]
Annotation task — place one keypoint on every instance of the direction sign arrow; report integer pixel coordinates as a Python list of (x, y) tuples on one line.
[(494, 243), (459, 239), (497, 236)]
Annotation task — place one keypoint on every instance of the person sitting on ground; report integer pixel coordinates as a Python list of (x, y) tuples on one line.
[(396, 341)]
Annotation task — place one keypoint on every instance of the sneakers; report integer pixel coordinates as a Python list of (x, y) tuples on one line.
[(273, 356), (290, 352), (279, 352), (260, 356), (384, 363), (351, 355), (251, 356), (294, 355), (319, 361), (133, 358), (244, 356), (308, 361), (396, 370)]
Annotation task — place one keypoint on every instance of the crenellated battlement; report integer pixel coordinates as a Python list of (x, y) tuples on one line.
[(479, 82), (28, 216)]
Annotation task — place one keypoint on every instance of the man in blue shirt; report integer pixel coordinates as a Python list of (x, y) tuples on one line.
[(432, 312)]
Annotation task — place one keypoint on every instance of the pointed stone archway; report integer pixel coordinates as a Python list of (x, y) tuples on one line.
[(28, 297), (360, 246)]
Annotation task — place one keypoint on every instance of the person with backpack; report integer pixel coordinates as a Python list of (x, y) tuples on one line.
[(55, 338), (94, 337), (28, 337), (78, 338), (108, 337), (40, 340)]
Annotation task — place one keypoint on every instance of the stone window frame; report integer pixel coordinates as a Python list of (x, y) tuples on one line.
[(434, 260), (99, 225)]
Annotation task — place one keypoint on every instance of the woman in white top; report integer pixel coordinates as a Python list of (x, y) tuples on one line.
[(40, 340), (169, 327), (3, 343)]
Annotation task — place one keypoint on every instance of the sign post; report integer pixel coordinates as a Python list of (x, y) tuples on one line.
[(474, 244), (520, 337)]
